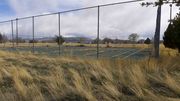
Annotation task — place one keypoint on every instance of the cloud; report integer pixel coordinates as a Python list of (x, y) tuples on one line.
[(115, 21)]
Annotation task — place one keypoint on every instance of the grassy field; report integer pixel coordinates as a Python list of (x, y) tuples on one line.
[(28, 77)]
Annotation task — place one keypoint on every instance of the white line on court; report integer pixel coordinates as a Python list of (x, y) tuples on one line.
[(121, 54), (134, 53)]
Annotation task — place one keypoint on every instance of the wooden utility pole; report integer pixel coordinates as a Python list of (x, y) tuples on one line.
[(159, 3), (157, 32)]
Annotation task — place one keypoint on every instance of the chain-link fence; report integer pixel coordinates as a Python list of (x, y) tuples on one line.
[(98, 31)]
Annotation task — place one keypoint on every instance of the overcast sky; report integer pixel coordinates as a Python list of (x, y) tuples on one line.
[(115, 21)]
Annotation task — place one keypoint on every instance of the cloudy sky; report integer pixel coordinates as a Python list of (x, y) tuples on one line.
[(115, 21)]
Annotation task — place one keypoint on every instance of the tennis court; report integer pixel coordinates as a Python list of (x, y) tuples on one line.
[(90, 52)]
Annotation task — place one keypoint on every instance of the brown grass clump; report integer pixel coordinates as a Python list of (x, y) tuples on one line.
[(26, 77)]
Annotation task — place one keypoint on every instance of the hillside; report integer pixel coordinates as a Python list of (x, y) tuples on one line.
[(26, 77)]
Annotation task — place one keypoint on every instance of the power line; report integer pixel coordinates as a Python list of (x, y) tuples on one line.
[(79, 9)]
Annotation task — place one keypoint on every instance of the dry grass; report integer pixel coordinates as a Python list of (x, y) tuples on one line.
[(168, 51), (74, 44), (26, 77)]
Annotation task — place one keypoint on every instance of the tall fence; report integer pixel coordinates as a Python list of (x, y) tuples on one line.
[(20, 34)]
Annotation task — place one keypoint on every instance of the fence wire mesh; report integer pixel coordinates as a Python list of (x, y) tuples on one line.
[(98, 31)]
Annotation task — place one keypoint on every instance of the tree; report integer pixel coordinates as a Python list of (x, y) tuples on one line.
[(33, 41), (107, 41), (116, 41), (168, 37), (172, 34), (20, 40), (133, 37), (3, 38), (95, 41), (147, 41), (59, 39)]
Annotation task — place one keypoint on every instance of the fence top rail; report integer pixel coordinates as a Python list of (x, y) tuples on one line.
[(79, 9)]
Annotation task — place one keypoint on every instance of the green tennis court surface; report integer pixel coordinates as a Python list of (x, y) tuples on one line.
[(85, 51)]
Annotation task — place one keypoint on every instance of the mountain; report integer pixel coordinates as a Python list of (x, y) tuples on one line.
[(78, 39), (67, 39)]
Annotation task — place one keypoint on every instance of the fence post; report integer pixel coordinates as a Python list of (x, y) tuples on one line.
[(17, 32), (59, 24), (33, 31), (12, 29), (98, 31), (170, 13)]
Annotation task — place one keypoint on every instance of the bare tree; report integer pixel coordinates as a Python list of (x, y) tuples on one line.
[(133, 37)]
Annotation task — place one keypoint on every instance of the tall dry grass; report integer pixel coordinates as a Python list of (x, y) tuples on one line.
[(26, 77)]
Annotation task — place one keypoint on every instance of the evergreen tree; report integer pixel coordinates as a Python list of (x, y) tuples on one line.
[(60, 40), (1, 38), (172, 34), (107, 41), (147, 41)]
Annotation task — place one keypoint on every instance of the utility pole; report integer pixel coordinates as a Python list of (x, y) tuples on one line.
[(159, 3), (157, 33)]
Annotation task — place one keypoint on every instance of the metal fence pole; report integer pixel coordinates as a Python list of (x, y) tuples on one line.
[(170, 13), (33, 32), (17, 33), (12, 27), (59, 23), (98, 31)]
